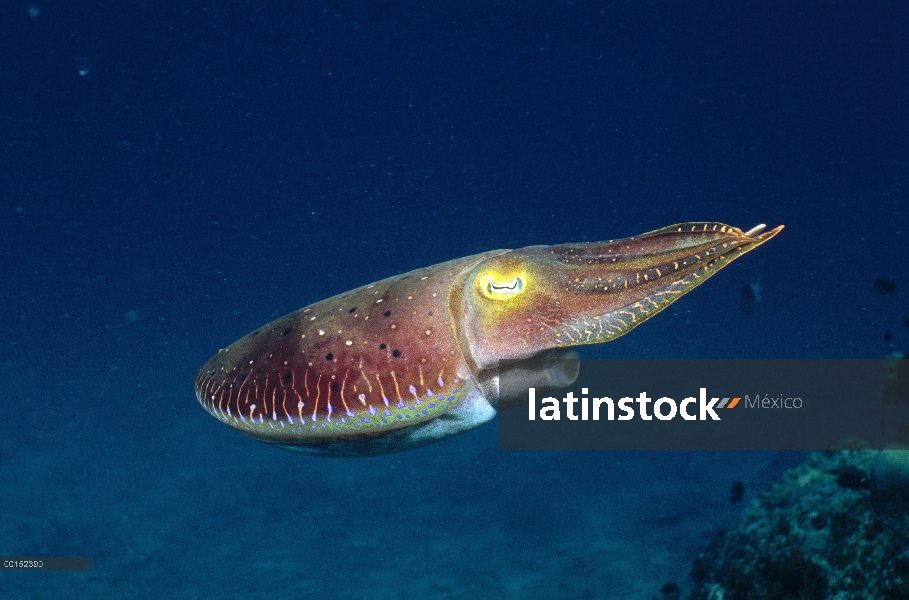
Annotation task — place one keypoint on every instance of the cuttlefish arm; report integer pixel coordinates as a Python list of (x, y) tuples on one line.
[(416, 358), (516, 304), (524, 303)]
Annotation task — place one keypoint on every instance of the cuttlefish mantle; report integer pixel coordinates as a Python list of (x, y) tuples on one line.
[(413, 359)]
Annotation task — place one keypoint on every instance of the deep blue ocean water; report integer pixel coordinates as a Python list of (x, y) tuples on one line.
[(174, 175)]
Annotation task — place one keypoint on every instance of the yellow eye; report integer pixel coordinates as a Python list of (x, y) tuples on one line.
[(501, 288)]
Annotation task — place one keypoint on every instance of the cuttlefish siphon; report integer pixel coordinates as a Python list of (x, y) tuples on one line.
[(415, 358)]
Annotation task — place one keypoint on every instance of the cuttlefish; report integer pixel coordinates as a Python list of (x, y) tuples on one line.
[(419, 357)]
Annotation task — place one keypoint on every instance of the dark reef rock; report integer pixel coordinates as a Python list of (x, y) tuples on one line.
[(670, 591), (851, 477), (836, 527)]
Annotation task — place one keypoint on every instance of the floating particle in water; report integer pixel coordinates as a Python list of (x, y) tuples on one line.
[(883, 285), (756, 289), (34, 12), (747, 300), (83, 64), (736, 492), (131, 316)]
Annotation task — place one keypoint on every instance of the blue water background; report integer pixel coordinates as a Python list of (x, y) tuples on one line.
[(173, 175)]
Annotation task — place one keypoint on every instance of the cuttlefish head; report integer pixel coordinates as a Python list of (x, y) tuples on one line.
[(530, 302)]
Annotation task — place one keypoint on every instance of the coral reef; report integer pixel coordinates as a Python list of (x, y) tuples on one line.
[(836, 527)]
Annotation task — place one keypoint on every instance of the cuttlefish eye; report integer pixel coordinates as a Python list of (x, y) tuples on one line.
[(501, 288)]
